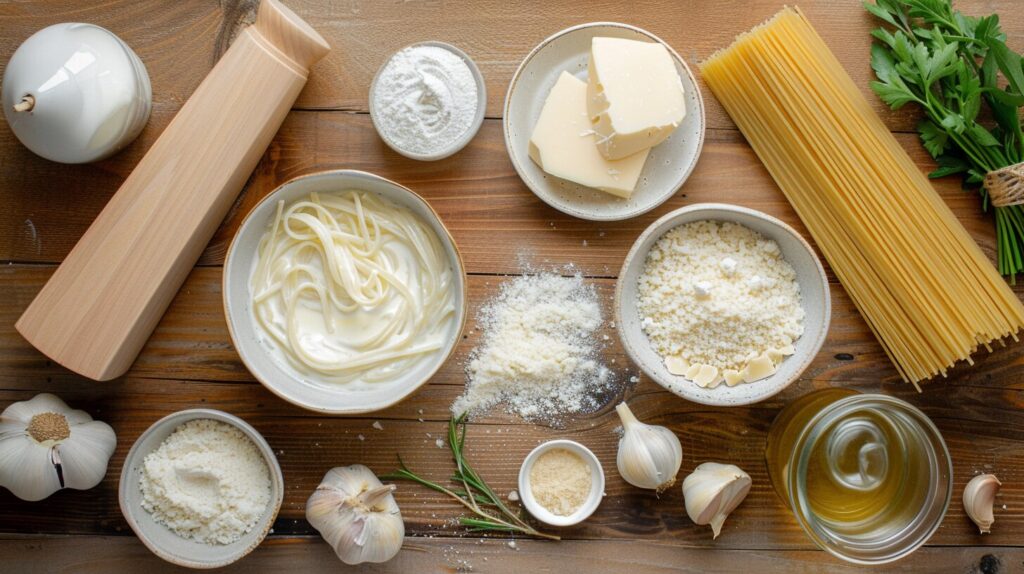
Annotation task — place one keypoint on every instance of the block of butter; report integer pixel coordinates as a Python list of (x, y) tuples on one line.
[(634, 95), (563, 144)]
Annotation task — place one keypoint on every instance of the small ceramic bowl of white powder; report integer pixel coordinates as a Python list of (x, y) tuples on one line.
[(201, 488), (428, 100)]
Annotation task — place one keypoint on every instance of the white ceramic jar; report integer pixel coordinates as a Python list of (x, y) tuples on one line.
[(75, 93)]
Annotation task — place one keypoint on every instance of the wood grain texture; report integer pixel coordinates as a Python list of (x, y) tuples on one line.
[(192, 342), (189, 360), (981, 429), (102, 303), (492, 215), (180, 43), (100, 555)]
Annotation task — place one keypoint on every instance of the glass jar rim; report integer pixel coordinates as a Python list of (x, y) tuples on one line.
[(939, 461)]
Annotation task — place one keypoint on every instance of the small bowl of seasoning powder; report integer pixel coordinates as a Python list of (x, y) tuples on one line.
[(561, 482), (428, 100), (201, 488)]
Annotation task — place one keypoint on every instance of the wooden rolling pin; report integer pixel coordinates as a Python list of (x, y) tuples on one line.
[(97, 311)]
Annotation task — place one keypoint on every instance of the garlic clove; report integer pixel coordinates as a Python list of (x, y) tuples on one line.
[(712, 491), (979, 499), (649, 455), (26, 469), (85, 454)]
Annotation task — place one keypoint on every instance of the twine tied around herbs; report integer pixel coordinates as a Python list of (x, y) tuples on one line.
[(1005, 185)]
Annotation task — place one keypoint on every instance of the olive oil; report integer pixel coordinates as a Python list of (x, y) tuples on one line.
[(867, 476)]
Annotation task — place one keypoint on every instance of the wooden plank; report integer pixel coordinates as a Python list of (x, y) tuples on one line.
[(983, 430), (192, 342), (490, 212), (179, 44), (111, 555)]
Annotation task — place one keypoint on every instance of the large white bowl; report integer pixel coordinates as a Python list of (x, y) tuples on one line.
[(814, 291), (164, 542), (669, 163), (285, 381)]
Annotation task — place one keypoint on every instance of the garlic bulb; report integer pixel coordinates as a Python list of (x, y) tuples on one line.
[(357, 515), (979, 498), (714, 490), (45, 446), (649, 456)]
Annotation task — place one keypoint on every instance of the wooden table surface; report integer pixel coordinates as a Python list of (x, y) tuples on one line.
[(190, 362)]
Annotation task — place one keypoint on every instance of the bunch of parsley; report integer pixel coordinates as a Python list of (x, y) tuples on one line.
[(950, 64)]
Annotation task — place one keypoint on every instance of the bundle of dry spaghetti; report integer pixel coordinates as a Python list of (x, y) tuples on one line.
[(925, 288)]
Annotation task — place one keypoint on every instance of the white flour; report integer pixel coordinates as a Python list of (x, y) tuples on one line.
[(207, 481), (539, 354), (425, 99)]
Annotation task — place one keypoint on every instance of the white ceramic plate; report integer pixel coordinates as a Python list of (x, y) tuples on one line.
[(814, 293), (669, 163), (594, 497), (252, 346), (161, 540)]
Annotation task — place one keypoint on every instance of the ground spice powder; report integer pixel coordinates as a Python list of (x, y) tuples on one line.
[(560, 481)]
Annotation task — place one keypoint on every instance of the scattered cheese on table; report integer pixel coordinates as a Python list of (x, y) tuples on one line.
[(635, 97)]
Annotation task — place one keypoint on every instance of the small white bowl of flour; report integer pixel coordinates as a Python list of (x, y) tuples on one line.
[(428, 100), (201, 488)]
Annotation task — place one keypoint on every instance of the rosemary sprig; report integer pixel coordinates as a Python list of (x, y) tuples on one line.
[(492, 514)]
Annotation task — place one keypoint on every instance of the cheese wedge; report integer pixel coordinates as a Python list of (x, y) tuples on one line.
[(563, 145), (634, 95)]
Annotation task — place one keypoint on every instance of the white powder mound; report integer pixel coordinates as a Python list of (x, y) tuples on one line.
[(540, 354), (718, 293), (207, 481), (425, 99)]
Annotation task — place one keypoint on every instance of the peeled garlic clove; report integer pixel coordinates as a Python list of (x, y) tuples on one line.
[(712, 491), (357, 515), (979, 498), (649, 455)]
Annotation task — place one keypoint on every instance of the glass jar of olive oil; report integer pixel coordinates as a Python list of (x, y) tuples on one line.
[(868, 476)]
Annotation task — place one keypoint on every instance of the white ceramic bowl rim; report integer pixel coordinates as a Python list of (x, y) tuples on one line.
[(283, 382), (134, 513), (478, 118), (808, 345), (596, 485), (516, 161)]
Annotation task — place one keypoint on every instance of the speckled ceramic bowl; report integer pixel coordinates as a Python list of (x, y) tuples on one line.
[(669, 163), (161, 540), (814, 291)]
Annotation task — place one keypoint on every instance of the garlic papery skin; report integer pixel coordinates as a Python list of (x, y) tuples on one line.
[(357, 515), (649, 455), (45, 446), (714, 490), (980, 498)]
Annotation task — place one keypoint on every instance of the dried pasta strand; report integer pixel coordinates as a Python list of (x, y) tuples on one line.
[(923, 285)]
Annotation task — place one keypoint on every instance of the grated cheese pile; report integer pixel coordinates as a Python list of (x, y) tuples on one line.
[(207, 481), (539, 355), (560, 481), (719, 303)]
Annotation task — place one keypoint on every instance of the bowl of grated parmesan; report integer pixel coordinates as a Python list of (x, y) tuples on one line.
[(722, 305), (201, 488)]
